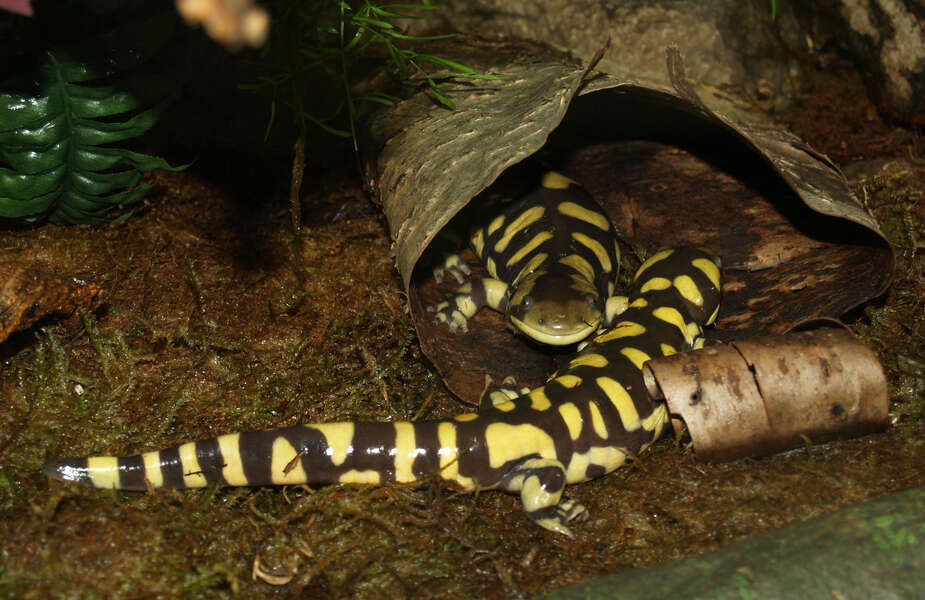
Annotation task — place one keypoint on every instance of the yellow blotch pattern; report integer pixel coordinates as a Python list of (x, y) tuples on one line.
[(529, 247), (494, 291), (233, 471), (568, 381), (532, 265), (507, 442), (588, 360), (656, 283), (673, 317), (594, 246), (579, 264), (709, 268), (597, 421), (478, 242), (491, 267), (495, 224), (103, 471), (556, 181), (652, 260), (192, 473), (622, 401), (538, 399), (339, 437), (576, 211), (688, 289), (405, 451), (449, 456), (152, 462), (572, 418), (369, 477), (656, 421), (505, 405), (282, 454), (525, 219), (621, 330), (636, 356)]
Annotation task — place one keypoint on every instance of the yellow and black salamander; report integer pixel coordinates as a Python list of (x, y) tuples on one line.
[(581, 424), (553, 259)]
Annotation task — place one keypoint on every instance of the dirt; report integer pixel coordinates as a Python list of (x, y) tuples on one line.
[(218, 318)]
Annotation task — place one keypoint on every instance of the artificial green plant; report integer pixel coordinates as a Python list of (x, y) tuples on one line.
[(60, 112)]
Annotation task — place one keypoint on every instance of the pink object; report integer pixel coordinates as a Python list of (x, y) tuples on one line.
[(21, 7)]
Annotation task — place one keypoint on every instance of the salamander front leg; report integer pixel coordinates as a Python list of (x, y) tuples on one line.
[(541, 482), (469, 299), (455, 266)]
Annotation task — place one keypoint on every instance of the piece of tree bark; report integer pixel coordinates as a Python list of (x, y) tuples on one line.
[(760, 396), (27, 295)]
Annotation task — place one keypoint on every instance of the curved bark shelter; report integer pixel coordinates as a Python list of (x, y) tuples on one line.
[(668, 169)]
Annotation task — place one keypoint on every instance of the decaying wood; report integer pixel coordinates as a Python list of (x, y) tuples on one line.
[(756, 397), (27, 295)]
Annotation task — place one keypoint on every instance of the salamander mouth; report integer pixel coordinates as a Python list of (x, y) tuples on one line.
[(554, 339)]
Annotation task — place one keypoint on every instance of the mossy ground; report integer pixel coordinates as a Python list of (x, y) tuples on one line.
[(218, 320)]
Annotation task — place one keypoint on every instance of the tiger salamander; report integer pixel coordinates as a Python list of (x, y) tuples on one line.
[(583, 423), (552, 258)]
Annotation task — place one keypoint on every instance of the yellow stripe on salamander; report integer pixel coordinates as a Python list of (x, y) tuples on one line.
[(285, 466), (526, 218), (189, 462), (576, 211), (529, 247), (449, 456), (233, 471), (658, 256), (405, 451), (505, 442), (104, 471), (596, 247), (153, 473), (709, 269), (495, 224), (580, 265), (556, 181), (622, 401), (688, 289)]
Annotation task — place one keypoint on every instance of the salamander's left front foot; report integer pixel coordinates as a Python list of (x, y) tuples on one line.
[(540, 482), (555, 518)]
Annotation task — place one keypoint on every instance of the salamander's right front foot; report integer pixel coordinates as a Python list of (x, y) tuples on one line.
[(449, 313)]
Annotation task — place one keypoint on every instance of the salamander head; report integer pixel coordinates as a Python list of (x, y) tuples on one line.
[(555, 308)]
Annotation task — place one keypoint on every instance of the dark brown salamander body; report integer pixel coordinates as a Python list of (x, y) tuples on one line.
[(581, 424)]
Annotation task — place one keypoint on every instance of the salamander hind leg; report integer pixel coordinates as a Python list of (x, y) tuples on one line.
[(500, 393), (541, 482)]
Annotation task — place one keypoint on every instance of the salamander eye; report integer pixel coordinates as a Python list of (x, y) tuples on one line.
[(527, 301)]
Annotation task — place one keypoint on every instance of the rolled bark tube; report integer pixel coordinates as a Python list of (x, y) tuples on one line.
[(760, 396)]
